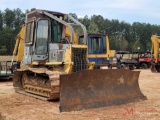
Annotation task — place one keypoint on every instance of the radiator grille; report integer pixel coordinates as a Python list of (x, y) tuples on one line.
[(79, 58)]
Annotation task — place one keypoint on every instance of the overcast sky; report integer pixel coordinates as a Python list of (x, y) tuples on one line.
[(144, 11)]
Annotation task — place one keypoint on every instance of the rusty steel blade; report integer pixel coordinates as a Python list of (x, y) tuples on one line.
[(98, 88)]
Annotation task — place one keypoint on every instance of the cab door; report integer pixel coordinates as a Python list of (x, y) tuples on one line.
[(41, 40)]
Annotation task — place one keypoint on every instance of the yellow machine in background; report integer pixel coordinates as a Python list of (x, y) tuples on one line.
[(155, 61), (18, 49), (19, 46), (55, 66), (99, 51)]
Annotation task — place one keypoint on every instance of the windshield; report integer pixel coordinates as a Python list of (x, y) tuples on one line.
[(96, 45), (135, 55), (42, 37), (56, 31)]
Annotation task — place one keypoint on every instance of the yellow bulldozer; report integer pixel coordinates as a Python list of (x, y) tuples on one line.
[(155, 60), (53, 65), (99, 51)]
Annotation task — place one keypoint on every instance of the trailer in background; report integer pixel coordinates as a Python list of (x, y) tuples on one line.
[(5, 72)]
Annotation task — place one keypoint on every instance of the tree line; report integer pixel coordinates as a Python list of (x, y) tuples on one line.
[(122, 35)]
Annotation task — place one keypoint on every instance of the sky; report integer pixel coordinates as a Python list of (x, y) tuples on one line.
[(143, 11)]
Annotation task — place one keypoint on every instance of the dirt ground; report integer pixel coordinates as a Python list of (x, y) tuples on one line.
[(7, 58), (15, 106)]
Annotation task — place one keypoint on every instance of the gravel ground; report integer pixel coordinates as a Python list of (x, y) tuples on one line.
[(14, 106)]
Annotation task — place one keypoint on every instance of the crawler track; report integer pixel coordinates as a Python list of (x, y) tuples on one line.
[(38, 82)]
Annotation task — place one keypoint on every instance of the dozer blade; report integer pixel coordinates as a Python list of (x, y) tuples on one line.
[(98, 88)]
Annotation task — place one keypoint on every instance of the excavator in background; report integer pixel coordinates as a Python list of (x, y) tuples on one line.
[(53, 65), (99, 51), (155, 61), (18, 49)]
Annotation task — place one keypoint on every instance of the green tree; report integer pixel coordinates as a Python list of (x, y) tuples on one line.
[(124, 44), (73, 15), (9, 18), (85, 21), (98, 20), (1, 27), (3, 50), (93, 28), (134, 35), (1, 21), (12, 21), (19, 19)]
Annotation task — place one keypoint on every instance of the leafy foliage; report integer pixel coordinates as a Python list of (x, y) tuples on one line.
[(3, 50), (93, 28), (10, 25), (122, 35)]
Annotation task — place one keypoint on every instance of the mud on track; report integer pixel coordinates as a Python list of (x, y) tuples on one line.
[(15, 106)]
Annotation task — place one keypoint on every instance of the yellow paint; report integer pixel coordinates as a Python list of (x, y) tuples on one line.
[(109, 53), (68, 35), (79, 46), (91, 65), (19, 46), (155, 46), (67, 63), (52, 63)]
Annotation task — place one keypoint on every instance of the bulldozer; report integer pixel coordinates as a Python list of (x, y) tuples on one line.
[(99, 51), (155, 60), (52, 65)]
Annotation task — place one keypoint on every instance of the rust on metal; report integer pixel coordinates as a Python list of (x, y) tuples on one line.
[(98, 88), (60, 46), (39, 81)]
